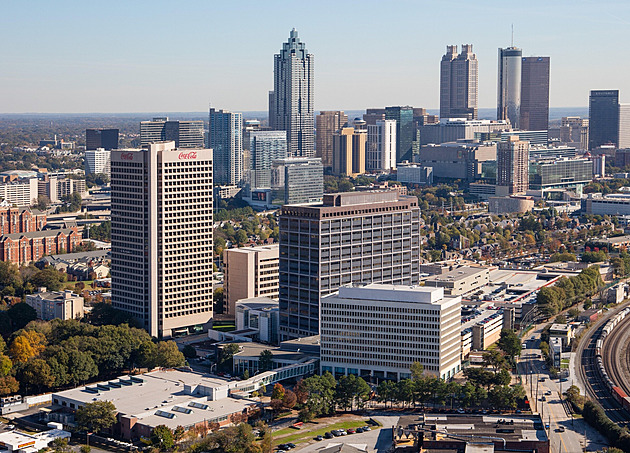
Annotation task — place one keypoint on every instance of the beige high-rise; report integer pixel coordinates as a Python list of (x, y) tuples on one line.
[(250, 272), (513, 165), (349, 152), (327, 123)]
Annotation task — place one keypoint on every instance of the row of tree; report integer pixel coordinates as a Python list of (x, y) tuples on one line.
[(569, 291), (58, 354)]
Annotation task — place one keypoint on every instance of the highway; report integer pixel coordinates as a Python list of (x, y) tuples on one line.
[(567, 435)]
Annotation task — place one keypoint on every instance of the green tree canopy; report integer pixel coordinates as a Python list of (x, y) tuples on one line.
[(96, 416)]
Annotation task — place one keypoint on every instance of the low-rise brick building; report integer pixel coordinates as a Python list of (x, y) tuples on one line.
[(31, 246)]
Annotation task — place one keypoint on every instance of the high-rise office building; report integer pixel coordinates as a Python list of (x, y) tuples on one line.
[(101, 138), (185, 134), (327, 123), (380, 149), (371, 116), (225, 137), (291, 101), (459, 82), (534, 94), (574, 129), (513, 165), (624, 126), (250, 272), (378, 331), (354, 237), (349, 151), (509, 86), (97, 162), (405, 131), (603, 113), (264, 147), (162, 237), (297, 180)]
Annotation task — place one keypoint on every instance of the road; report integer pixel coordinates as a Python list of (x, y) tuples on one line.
[(538, 385)]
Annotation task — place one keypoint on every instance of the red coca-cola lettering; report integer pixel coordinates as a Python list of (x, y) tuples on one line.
[(126, 156), (188, 155)]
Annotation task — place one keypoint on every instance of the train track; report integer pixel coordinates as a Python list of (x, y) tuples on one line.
[(591, 377), (615, 355)]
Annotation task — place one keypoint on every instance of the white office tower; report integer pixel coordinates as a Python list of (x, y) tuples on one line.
[(162, 237), (381, 146), (97, 161), (379, 330), (509, 85)]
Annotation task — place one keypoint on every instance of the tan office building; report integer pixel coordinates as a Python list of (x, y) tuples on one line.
[(512, 166), (327, 123), (250, 272), (349, 151)]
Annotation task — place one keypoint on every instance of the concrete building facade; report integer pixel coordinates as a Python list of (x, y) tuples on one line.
[(378, 331), (297, 180), (457, 160), (349, 152), (98, 162), (162, 237), (51, 305), (380, 151), (327, 123), (513, 165), (250, 272), (354, 237)]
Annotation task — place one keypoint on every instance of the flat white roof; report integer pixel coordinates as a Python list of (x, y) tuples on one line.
[(394, 293)]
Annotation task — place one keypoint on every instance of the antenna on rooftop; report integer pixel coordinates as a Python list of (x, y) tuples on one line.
[(512, 35)]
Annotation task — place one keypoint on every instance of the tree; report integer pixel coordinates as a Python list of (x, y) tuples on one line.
[(189, 351), (50, 278), (224, 360), (168, 355), (27, 345), (494, 358), (265, 360), (42, 202), (162, 437), (510, 344), (21, 314), (96, 416), (276, 404), (561, 319), (241, 237), (85, 449), (218, 300), (8, 385), (278, 392), (36, 372), (289, 400), (321, 394)]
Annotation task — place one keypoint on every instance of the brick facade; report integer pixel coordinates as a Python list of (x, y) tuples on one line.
[(25, 247), (21, 220)]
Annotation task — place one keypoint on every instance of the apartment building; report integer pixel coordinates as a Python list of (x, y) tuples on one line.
[(62, 305)]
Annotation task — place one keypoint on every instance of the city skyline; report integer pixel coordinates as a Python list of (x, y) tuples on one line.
[(97, 67)]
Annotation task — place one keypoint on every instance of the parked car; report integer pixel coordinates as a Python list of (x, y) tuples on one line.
[(328, 435), (351, 431), (318, 438)]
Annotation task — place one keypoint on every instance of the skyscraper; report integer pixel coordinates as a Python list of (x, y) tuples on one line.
[(354, 237), (404, 131), (97, 161), (513, 165), (101, 138), (226, 140), (297, 180), (459, 82), (291, 101), (327, 122), (349, 151), (603, 113), (162, 237), (509, 86), (380, 149), (534, 94), (185, 134), (624, 126), (264, 148)]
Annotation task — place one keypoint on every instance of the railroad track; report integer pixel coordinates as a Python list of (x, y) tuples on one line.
[(591, 378), (615, 355)]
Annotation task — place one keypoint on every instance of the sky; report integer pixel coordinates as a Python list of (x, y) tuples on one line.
[(171, 56)]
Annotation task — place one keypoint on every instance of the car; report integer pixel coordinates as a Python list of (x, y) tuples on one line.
[(546, 425), (328, 435), (367, 428), (561, 429), (351, 431), (359, 430), (336, 433), (318, 438), (518, 411), (291, 445), (524, 346), (544, 398), (461, 411), (548, 392), (542, 379)]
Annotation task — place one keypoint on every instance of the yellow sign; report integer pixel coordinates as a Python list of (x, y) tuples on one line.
[(27, 444)]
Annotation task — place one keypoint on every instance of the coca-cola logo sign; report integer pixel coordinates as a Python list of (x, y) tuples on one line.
[(188, 155), (126, 156)]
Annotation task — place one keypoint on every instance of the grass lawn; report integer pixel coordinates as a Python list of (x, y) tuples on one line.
[(88, 285), (303, 434), (225, 328)]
